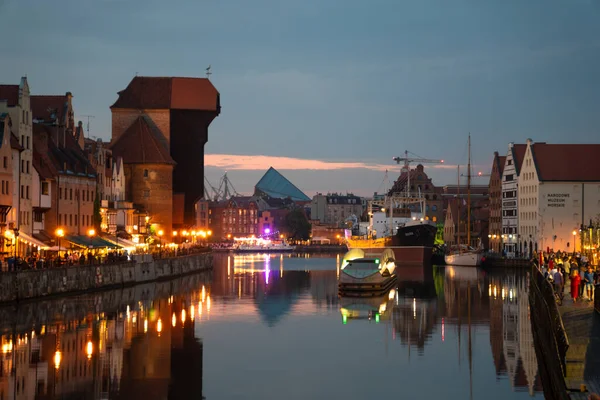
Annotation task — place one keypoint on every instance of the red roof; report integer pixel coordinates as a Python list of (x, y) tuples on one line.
[(145, 92), (518, 156), (567, 162), (48, 108), (10, 93), (141, 143)]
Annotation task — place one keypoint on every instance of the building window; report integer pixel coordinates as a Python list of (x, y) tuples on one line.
[(27, 140), (5, 162), (146, 193), (145, 173), (70, 194), (27, 192), (22, 190), (45, 188), (27, 162), (75, 220), (37, 216), (434, 208)]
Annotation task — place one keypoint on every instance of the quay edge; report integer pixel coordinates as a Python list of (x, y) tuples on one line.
[(31, 284)]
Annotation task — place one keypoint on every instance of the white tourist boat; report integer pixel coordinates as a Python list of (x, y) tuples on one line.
[(260, 245), (367, 275)]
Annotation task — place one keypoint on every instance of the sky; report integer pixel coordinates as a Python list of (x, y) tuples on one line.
[(325, 91)]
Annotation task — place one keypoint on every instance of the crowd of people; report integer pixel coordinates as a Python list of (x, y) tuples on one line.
[(572, 269)]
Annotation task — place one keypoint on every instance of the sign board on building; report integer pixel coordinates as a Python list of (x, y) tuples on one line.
[(557, 199)]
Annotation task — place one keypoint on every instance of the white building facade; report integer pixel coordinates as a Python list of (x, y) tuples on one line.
[(558, 192), (510, 206)]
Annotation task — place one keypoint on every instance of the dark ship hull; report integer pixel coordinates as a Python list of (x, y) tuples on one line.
[(413, 243)]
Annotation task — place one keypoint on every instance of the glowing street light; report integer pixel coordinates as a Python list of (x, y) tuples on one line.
[(57, 358), (59, 234), (89, 350), (91, 234)]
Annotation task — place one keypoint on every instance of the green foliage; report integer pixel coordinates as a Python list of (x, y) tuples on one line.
[(439, 236), (296, 225), (97, 217)]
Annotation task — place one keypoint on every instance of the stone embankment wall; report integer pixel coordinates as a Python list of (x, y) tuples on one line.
[(23, 317), (31, 284)]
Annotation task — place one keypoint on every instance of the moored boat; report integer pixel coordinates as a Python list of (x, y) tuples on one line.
[(254, 245), (367, 275), (464, 256)]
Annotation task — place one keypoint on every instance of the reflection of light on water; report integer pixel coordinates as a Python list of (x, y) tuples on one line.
[(228, 266), (392, 294), (208, 303), (267, 268), (203, 293), (414, 308), (443, 330), (192, 312), (337, 266)]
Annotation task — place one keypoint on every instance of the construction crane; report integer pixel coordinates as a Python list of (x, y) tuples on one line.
[(406, 167), (224, 192)]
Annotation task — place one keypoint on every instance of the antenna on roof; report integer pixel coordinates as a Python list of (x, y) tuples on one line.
[(88, 123), (208, 73), (136, 73)]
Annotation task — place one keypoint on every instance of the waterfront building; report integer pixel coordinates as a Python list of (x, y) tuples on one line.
[(17, 102), (72, 180), (116, 213), (6, 176), (558, 192), (510, 205), (236, 217), (456, 222), (43, 181), (495, 191), (421, 183), (335, 209), (159, 127)]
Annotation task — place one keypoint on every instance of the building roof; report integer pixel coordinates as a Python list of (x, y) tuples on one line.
[(518, 154), (68, 159), (567, 162), (500, 161), (49, 108), (10, 93), (275, 185), (14, 142), (144, 92), (142, 143)]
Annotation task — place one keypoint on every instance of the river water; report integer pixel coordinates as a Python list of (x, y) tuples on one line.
[(272, 327)]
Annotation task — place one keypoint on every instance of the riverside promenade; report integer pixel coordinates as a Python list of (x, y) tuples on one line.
[(582, 360), (567, 341), (31, 284)]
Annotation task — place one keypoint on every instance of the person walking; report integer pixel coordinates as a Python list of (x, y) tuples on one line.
[(575, 281), (588, 279), (559, 284)]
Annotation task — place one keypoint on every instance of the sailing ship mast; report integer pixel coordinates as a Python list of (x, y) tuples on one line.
[(469, 195), (458, 208)]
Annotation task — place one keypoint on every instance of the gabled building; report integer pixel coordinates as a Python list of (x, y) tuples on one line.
[(73, 184), (420, 182), (174, 114), (455, 223), (44, 176), (495, 190), (510, 205), (16, 101), (6, 176), (558, 193)]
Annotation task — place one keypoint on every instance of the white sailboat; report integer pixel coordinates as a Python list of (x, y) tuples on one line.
[(465, 255)]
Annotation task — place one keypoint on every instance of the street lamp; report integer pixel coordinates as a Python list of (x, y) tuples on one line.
[(59, 234), (16, 232), (91, 234), (574, 242)]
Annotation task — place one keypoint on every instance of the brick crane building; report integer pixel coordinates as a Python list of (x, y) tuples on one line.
[(159, 127)]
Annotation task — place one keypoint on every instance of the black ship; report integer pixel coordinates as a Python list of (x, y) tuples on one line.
[(415, 234)]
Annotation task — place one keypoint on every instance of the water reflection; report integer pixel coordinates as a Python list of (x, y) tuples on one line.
[(276, 315)]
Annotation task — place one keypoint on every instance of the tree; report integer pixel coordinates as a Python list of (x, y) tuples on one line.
[(97, 217), (296, 225)]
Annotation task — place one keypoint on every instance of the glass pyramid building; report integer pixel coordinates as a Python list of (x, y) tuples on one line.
[(275, 185)]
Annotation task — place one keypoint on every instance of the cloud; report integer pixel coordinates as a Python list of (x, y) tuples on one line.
[(263, 162)]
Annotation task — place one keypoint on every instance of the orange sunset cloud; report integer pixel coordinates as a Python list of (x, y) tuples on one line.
[(262, 162)]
